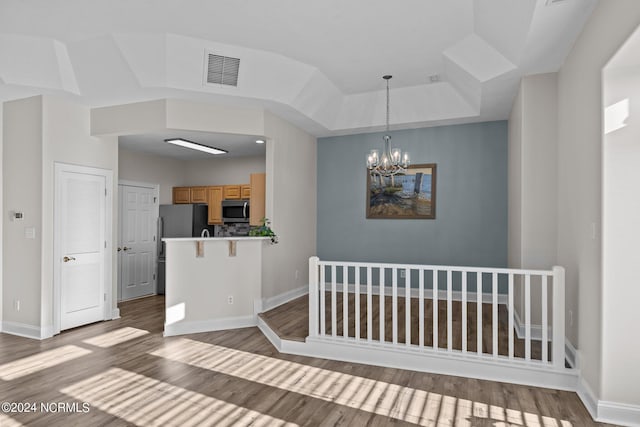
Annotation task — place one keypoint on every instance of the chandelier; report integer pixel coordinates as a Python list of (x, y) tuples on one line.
[(392, 161)]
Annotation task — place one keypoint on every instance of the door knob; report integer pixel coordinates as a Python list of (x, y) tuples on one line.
[(68, 258), (119, 248), (125, 248)]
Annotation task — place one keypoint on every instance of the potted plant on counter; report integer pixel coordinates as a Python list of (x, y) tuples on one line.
[(264, 231)]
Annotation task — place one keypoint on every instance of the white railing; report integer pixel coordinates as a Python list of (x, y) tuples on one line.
[(370, 290)]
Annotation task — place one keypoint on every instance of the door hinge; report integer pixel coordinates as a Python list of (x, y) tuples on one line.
[(154, 200), (154, 276), (105, 244), (154, 238), (105, 192), (105, 297)]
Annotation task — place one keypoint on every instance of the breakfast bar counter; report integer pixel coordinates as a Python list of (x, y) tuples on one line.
[(212, 283)]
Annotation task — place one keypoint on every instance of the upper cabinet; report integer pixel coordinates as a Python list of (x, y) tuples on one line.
[(257, 199), (181, 195), (214, 196), (245, 191), (231, 192), (199, 195)]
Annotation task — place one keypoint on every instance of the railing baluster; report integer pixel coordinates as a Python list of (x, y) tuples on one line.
[(394, 306), (334, 302), (558, 338), (381, 315), (464, 311), (323, 304), (494, 294), (435, 308), (313, 296), (357, 302), (552, 331), (407, 306), (421, 308), (479, 331), (449, 311), (527, 317), (545, 331), (345, 301), (369, 305), (511, 308)]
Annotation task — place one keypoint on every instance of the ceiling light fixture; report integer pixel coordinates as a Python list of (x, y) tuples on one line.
[(195, 146), (259, 141), (392, 161)]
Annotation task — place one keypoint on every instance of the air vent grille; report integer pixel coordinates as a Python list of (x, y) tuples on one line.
[(222, 70)]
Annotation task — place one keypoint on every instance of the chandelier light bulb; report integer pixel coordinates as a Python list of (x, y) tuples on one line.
[(390, 162)]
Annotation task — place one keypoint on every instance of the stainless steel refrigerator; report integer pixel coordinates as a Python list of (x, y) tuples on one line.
[(179, 221)]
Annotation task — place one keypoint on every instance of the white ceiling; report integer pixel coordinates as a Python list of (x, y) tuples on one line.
[(236, 145), (317, 63)]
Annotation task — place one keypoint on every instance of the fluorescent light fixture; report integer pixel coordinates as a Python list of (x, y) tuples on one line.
[(259, 141), (195, 146)]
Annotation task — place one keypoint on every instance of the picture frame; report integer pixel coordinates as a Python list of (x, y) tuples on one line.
[(409, 196)]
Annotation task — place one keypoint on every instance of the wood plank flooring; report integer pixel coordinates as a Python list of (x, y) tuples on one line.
[(291, 321), (127, 373)]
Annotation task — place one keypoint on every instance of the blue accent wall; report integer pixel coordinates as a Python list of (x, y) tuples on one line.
[(471, 198)]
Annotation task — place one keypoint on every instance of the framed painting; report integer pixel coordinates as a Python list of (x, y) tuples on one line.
[(410, 196)]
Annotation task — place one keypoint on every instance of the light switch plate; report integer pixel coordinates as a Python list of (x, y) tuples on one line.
[(29, 232)]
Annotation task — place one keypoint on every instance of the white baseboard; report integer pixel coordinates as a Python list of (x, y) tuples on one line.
[(618, 413), (588, 397), (285, 297), (22, 330), (487, 298), (115, 314), (536, 330), (194, 327)]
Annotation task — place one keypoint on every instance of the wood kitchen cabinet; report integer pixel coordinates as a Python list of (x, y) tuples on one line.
[(214, 199), (181, 195), (199, 195), (231, 192), (256, 201), (245, 191)]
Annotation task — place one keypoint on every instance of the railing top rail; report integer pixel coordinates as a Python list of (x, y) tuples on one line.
[(438, 268)]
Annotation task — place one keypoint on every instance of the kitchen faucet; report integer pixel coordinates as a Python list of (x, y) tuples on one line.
[(205, 233)]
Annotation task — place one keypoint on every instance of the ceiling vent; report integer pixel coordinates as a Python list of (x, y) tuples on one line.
[(222, 70)]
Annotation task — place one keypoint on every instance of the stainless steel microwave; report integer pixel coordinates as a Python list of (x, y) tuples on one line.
[(234, 211)]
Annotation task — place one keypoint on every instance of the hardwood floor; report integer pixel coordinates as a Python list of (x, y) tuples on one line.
[(124, 372), (291, 321)]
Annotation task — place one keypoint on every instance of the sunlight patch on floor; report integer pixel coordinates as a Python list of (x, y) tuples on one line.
[(7, 421), (379, 397), (38, 362), (118, 336), (145, 401)]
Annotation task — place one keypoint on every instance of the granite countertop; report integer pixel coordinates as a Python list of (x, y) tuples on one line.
[(207, 239)]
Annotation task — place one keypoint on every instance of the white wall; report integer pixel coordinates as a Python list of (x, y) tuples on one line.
[(152, 169), (621, 230), (39, 131), (580, 174), (233, 170), (533, 182), (199, 287), (66, 138), (22, 191), (514, 227), (3, 214), (291, 205)]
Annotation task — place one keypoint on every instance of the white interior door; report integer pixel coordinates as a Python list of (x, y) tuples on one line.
[(137, 247), (81, 211)]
